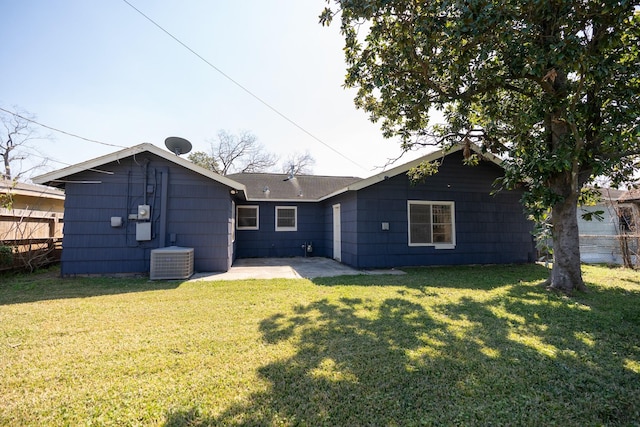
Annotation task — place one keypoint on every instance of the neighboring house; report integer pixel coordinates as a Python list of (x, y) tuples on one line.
[(603, 239), (35, 204), (30, 221), (627, 211), (121, 206)]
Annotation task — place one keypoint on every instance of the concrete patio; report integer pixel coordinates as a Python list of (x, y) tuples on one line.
[(287, 268)]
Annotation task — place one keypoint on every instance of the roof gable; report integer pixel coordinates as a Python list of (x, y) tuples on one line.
[(404, 168), (260, 186), (57, 177)]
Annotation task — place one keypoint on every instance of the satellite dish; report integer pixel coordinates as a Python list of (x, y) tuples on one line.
[(177, 145)]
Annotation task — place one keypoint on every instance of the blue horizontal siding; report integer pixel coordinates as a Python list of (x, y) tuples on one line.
[(90, 267), (198, 211), (489, 229), (349, 227), (267, 242)]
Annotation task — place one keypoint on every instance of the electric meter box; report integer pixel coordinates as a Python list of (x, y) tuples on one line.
[(144, 212), (143, 231)]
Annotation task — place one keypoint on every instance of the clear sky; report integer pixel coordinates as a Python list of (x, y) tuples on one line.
[(100, 70)]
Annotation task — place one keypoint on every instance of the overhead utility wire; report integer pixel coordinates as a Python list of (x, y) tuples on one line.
[(228, 77), (67, 164), (60, 131)]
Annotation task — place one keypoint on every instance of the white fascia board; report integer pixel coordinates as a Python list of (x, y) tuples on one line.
[(262, 199), (132, 151), (335, 193), (406, 166)]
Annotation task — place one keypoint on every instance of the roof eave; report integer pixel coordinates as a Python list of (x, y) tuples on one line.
[(56, 176), (29, 190), (334, 194), (281, 200), (382, 176)]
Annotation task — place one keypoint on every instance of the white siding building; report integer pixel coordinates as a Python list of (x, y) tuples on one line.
[(599, 239)]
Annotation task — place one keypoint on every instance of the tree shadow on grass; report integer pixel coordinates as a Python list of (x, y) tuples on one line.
[(451, 277), (520, 357), (566, 357), (47, 285)]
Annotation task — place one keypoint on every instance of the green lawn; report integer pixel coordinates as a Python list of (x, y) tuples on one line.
[(438, 346)]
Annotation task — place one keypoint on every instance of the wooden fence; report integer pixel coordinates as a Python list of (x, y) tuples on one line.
[(29, 239)]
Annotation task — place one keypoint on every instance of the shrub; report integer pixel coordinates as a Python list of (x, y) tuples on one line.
[(6, 255)]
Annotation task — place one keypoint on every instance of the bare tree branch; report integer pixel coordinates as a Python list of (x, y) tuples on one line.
[(18, 133), (299, 164), (235, 153)]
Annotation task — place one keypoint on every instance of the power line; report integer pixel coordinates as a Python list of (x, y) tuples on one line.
[(63, 132), (67, 164), (245, 89), (59, 130)]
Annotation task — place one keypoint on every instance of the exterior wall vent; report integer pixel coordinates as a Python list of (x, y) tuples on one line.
[(171, 263)]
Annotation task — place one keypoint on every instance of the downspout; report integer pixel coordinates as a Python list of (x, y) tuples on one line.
[(146, 180), (163, 206)]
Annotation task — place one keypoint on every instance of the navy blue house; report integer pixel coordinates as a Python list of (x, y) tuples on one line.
[(120, 207)]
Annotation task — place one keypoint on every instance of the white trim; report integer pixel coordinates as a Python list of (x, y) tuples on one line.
[(57, 178), (337, 232), (295, 218), (262, 199), (436, 245), (60, 174), (240, 227), (367, 182)]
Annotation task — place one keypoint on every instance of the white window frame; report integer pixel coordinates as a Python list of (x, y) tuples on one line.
[(251, 227), (295, 218), (437, 245)]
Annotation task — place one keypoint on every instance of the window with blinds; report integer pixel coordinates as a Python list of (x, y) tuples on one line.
[(431, 224)]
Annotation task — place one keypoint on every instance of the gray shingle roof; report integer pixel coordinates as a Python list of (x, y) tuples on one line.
[(272, 186)]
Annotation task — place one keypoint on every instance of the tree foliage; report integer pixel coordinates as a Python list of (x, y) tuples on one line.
[(204, 160), (551, 86), (6, 194)]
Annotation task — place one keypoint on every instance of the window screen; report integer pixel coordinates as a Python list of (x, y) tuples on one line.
[(286, 218), (431, 223), (247, 217)]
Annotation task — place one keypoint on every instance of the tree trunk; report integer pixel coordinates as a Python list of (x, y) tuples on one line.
[(566, 274), (7, 165)]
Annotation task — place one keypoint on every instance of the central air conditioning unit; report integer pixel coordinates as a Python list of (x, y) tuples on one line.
[(171, 263)]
